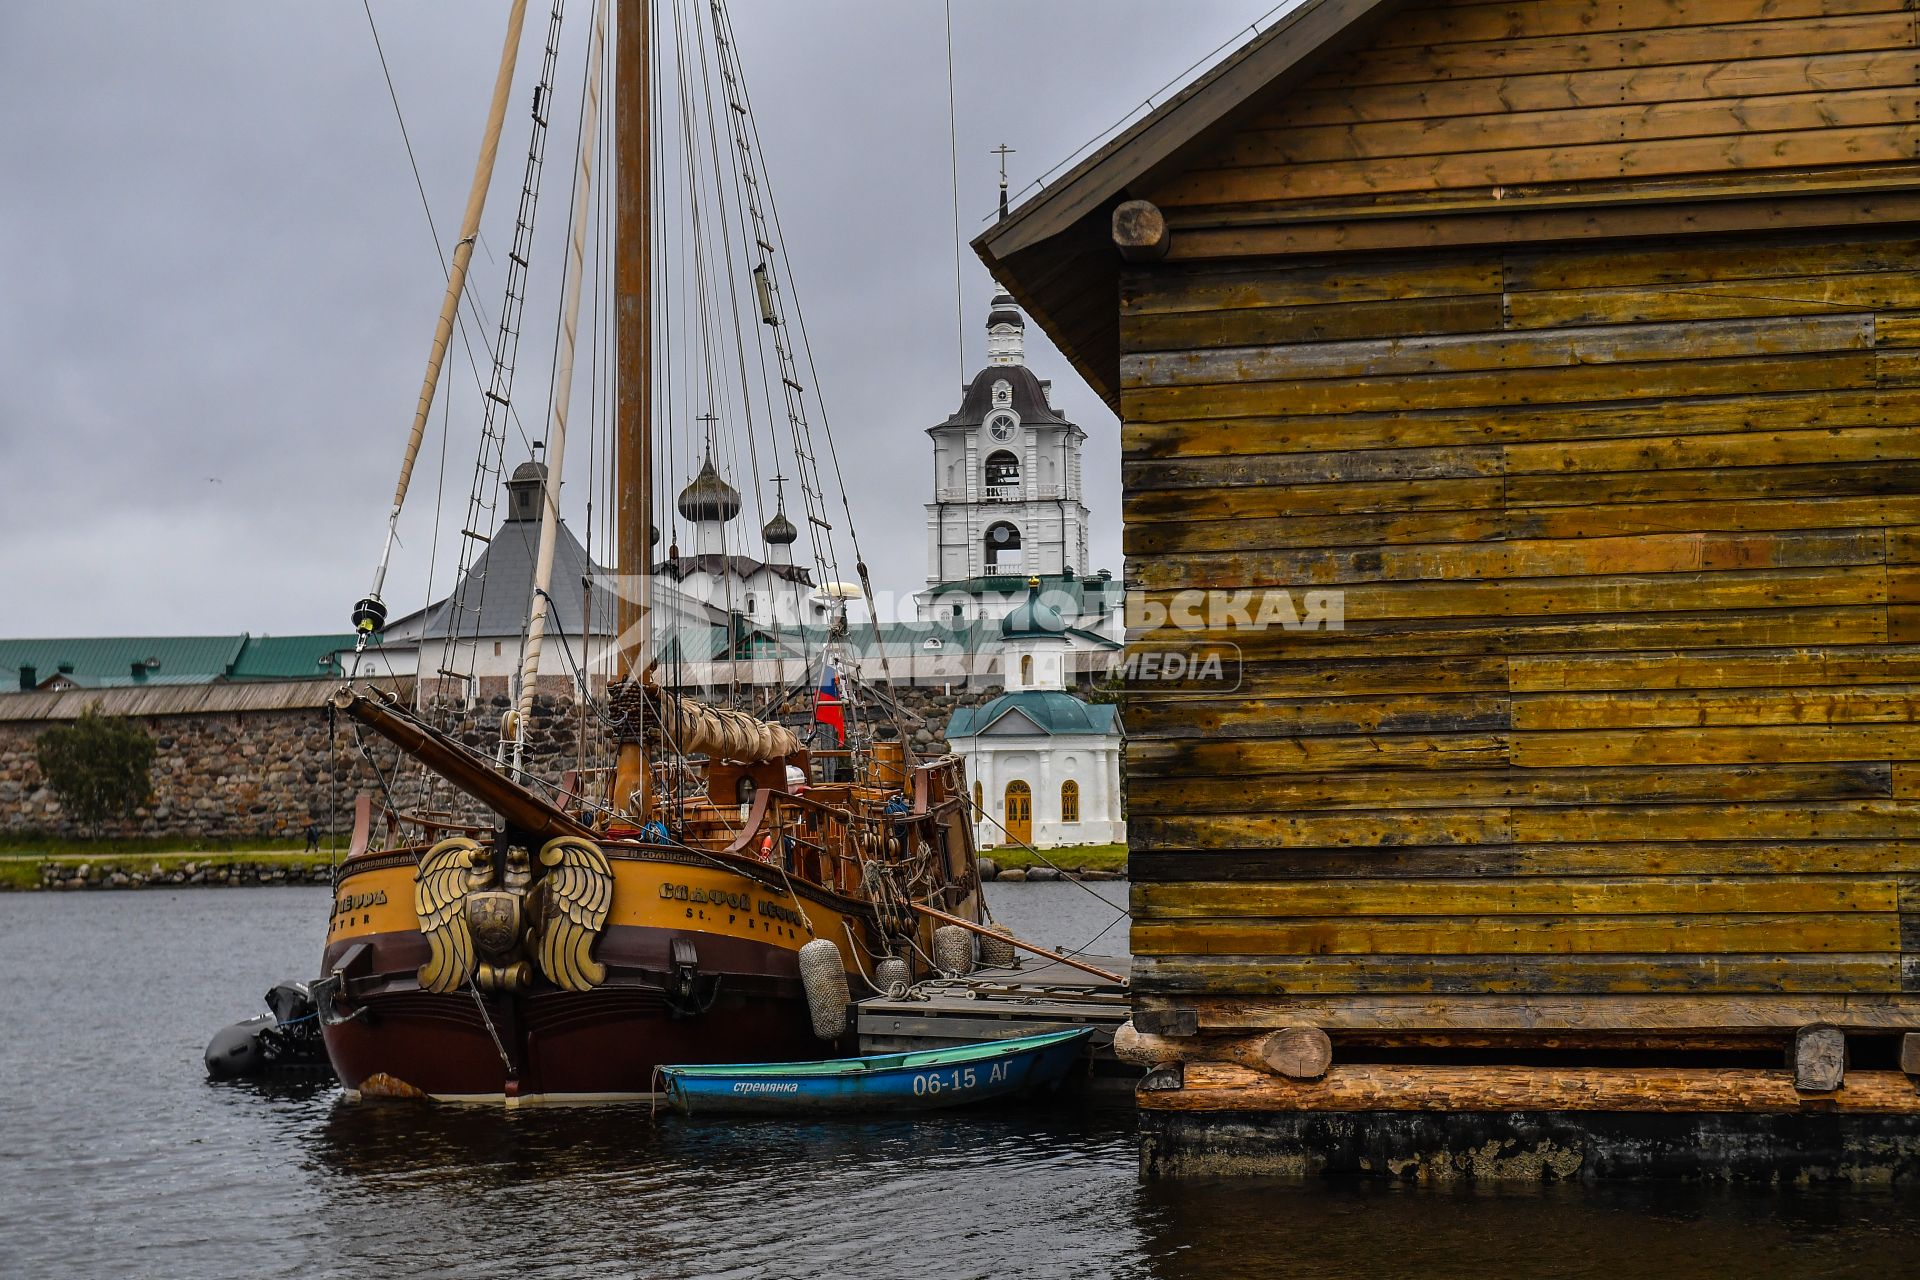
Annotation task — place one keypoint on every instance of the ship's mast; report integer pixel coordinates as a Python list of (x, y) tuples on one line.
[(633, 382)]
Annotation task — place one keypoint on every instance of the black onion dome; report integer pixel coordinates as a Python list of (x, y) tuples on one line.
[(779, 531), (1003, 310), (709, 497)]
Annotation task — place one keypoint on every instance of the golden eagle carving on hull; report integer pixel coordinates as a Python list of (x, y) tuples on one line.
[(570, 907), (478, 932), (447, 873)]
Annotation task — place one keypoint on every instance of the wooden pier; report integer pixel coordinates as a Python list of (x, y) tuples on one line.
[(1559, 364), (1000, 1003)]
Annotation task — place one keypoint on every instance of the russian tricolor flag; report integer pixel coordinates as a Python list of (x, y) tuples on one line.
[(826, 706)]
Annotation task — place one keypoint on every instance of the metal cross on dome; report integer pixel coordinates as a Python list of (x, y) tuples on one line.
[(1003, 151)]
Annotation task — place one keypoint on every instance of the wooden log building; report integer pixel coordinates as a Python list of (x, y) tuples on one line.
[(1577, 343)]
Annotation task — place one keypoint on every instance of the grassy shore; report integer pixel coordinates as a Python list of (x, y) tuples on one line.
[(174, 846), (20, 869), (1094, 857), (21, 860)]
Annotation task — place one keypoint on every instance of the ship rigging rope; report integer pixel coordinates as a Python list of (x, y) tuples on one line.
[(426, 207), (508, 320), (490, 455), (739, 341), (741, 179), (953, 172), (723, 27), (1013, 839)]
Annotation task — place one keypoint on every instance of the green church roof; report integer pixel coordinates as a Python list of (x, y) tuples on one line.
[(1054, 712)]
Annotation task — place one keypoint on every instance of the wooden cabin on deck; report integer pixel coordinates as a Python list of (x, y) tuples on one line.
[(1577, 345)]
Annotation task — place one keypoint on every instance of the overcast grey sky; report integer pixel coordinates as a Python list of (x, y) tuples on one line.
[(217, 286)]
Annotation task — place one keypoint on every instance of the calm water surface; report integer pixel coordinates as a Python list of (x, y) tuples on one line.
[(117, 1158)]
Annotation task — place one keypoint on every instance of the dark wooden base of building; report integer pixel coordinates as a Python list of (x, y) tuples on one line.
[(1531, 1146), (1454, 1123)]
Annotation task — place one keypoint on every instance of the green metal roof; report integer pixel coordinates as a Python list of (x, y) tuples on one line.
[(97, 662), (289, 657), (1075, 586), (106, 662), (1053, 711)]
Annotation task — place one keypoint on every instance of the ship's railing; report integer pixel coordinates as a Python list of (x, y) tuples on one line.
[(836, 833)]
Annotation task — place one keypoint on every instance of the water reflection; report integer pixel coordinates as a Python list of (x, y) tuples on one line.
[(698, 1197), (1308, 1230), (118, 1158)]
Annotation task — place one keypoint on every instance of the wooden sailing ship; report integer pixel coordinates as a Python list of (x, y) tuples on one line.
[(561, 942)]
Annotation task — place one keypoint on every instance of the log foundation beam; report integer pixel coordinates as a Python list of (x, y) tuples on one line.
[(1232, 1086), (1298, 1053)]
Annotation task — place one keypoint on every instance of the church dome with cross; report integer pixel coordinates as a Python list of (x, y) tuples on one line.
[(720, 567)]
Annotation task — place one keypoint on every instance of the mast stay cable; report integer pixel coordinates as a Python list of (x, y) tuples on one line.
[(370, 614), (490, 456)]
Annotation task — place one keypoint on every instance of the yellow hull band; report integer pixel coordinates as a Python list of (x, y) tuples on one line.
[(658, 895)]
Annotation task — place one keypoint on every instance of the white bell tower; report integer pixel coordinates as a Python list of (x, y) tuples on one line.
[(1007, 482)]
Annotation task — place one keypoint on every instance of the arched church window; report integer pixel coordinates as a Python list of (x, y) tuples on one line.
[(749, 602), (1002, 474), (1003, 548), (1026, 668), (1069, 801)]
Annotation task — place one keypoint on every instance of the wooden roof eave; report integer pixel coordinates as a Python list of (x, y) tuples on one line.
[(1054, 251)]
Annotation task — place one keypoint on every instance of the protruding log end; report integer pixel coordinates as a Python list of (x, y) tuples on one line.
[(1167, 1022), (1910, 1053), (1168, 1078), (1140, 231), (1299, 1053), (1819, 1058), (1143, 1050)]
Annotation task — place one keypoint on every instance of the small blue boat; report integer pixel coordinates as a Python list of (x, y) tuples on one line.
[(928, 1080)]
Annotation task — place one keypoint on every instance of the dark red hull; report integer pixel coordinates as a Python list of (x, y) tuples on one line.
[(746, 1004)]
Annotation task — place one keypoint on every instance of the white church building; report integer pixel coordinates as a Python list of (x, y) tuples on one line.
[(1045, 764)]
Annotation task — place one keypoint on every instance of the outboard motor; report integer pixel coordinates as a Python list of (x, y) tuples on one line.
[(286, 1039), (291, 1002)]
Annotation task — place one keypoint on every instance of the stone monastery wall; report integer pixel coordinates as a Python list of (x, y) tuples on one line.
[(244, 761)]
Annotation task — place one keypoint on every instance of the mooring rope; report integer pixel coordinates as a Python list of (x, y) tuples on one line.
[(1064, 873)]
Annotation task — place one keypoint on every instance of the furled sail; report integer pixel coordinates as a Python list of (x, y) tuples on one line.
[(694, 728)]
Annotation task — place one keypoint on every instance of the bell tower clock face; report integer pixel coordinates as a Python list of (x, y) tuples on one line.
[(1001, 427)]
